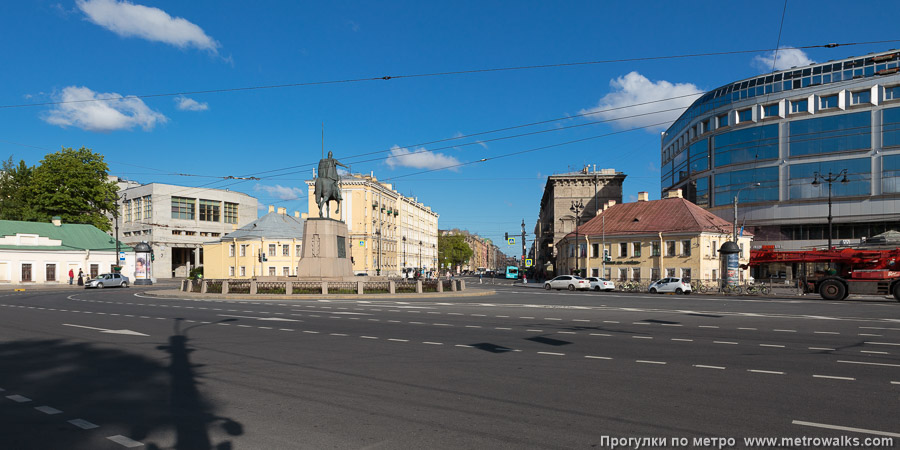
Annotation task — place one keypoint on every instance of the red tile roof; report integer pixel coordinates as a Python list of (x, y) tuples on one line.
[(666, 215)]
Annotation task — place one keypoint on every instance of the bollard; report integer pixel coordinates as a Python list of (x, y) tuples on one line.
[(224, 287), (288, 288), (462, 285), (252, 287), (392, 287), (419, 287), (324, 288), (203, 286), (440, 285), (360, 289), (453, 285)]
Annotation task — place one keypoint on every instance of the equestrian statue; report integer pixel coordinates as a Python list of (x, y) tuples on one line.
[(328, 185)]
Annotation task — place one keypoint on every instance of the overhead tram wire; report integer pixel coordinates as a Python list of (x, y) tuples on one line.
[(439, 74)]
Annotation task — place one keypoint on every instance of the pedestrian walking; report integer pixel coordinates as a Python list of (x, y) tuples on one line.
[(80, 278), (71, 276)]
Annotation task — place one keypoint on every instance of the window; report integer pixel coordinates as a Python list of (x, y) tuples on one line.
[(243, 249), (686, 274), (636, 249), (271, 249), (138, 209), (892, 93), (243, 271), (182, 208), (654, 274), (829, 101), (297, 251), (607, 273), (285, 250), (770, 110), (686, 247), (231, 271), (231, 250), (148, 207), (831, 134), (726, 185), (286, 271), (95, 270), (127, 211), (670, 248), (231, 212), (715, 248), (636, 274), (209, 210), (595, 250), (271, 271), (26, 272), (623, 274), (860, 97), (746, 145), (623, 250), (745, 115), (723, 120), (595, 272), (50, 272), (799, 106), (654, 248), (670, 273), (859, 176)]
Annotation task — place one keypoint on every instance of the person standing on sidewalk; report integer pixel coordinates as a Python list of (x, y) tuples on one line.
[(80, 278), (71, 276)]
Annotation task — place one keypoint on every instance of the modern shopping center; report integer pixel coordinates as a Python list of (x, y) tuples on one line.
[(791, 132)]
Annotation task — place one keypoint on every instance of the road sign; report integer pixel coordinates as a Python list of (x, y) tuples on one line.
[(511, 241), (362, 243), (121, 256), (529, 262)]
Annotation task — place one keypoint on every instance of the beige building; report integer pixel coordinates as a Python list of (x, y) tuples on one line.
[(592, 187), (389, 233), (267, 247), (649, 240)]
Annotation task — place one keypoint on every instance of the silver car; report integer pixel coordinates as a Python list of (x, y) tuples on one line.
[(108, 280), (671, 284)]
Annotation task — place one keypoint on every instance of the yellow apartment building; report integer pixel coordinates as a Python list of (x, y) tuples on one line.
[(389, 233), (649, 240), (267, 247)]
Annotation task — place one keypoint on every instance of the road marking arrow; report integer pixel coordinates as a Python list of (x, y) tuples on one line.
[(104, 330)]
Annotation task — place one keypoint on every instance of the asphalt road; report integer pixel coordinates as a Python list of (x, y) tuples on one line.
[(524, 368)]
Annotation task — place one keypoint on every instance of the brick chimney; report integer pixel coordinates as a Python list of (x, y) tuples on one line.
[(282, 211), (674, 194), (271, 208), (297, 214), (57, 221), (643, 196)]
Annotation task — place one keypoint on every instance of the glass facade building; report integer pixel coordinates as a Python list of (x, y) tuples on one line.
[(780, 130)]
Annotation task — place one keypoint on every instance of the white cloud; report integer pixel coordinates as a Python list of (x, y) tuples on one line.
[(787, 57), (649, 96), (189, 104), (153, 24), (281, 192), (419, 159), (80, 108)]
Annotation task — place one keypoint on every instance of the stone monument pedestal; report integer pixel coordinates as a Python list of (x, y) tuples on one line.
[(326, 251)]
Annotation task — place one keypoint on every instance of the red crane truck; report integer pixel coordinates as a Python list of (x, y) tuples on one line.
[(834, 274)]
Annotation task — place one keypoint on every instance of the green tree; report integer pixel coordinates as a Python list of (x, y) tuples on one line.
[(453, 250), (14, 184), (72, 184)]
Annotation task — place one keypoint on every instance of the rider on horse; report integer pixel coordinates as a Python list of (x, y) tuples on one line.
[(327, 185)]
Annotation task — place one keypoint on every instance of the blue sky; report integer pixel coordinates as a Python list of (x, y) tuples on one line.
[(71, 51)]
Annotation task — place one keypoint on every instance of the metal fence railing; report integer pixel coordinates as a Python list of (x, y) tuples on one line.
[(213, 286), (377, 287), (306, 287), (239, 287), (270, 287), (343, 287)]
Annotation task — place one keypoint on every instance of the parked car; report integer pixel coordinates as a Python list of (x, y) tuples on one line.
[(570, 282), (676, 285), (108, 280), (601, 284)]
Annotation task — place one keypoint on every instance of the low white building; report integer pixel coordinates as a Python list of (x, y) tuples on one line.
[(43, 253)]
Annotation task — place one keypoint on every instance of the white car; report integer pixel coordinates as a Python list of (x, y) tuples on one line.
[(601, 284), (107, 280), (570, 282), (676, 285)]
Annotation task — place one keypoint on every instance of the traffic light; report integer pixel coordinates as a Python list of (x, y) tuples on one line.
[(506, 237), (259, 257), (152, 256), (606, 257)]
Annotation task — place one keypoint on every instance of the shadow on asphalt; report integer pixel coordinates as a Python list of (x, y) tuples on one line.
[(548, 341), (124, 393)]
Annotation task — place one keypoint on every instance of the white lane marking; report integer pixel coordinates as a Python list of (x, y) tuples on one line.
[(449, 314), (868, 363), (418, 323), (825, 332), (104, 330), (765, 371), (560, 332), (441, 324), (538, 331), (895, 382), (786, 331), (725, 342), (83, 424), (504, 328), (124, 441), (286, 329), (671, 324), (433, 343), (368, 337), (597, 357), (642, 337), (48, 410), (478, 315), (707, 326), (337, 334), (834, 378), (526, 317), (843, 428), (600, 334), (573, 320), (879, 343), (642, 361), (473, 326), (18, 398), (398, 340), (245, 326), (709, 367), (310, 332), (551, 353), (506, 317), (869, 334), (682, 340), (462, 345), (874, 352), (551, 318), (610, 321), (879, 328), (264, 328), (641, 323), (771, 345)]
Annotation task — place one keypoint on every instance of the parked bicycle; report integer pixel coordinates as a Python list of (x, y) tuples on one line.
[(731, 289), (754, 289)]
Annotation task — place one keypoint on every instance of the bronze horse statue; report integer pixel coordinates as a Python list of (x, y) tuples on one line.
[(328, 186)]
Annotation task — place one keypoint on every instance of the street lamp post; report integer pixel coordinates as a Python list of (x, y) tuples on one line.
[(829, 179), (420, 255), (576, 208), (116, 216), (734, 231), (404, 255)]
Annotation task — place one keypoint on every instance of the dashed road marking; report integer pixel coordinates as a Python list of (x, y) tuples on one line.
[(825, 332), (644, 361), (772, 372), (597, 357), (48, 410), (642, 337), (601, 334), (834, 378), (707, 326), (843, 428), (83, 424), (725, 342), (869, 363), (880, 343), (682, 340), (786, 331), (18, 398), (771, 345), (124, 441), (821, 348), (874, 352), (701, 366), (432, 343), (551, 353)]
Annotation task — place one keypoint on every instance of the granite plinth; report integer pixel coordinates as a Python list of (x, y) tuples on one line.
[(326, 251)]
